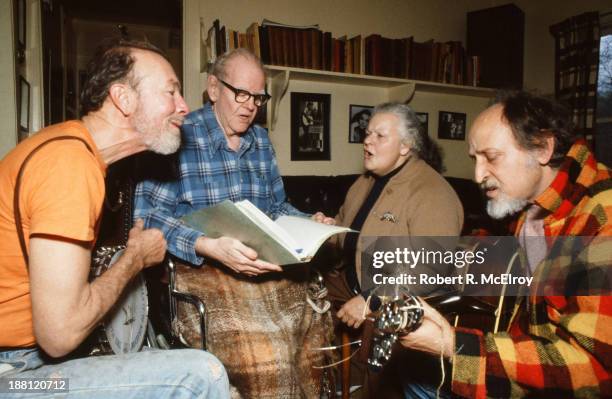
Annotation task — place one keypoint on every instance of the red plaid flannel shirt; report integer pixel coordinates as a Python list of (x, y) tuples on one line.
[(557, 346)]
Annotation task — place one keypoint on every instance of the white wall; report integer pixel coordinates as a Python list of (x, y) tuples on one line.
[(31, 70), (34, 65), (8, 108), (347, 158)]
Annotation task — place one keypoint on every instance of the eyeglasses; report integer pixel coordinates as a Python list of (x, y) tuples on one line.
[(243, 96)]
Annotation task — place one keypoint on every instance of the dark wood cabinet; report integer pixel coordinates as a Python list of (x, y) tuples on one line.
[(496, 36)]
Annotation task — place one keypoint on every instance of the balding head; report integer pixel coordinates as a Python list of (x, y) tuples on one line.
[(113, 62), (220, 66), (511, 175), (533, 119)]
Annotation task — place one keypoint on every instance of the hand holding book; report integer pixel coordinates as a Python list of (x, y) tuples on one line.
[(320, 217), (287, 240), (235, 255)]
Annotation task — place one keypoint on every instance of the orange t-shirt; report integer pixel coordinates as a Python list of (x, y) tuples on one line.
[(62, 193)]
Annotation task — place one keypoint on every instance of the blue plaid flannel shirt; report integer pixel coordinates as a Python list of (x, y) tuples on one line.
[(211, 172)]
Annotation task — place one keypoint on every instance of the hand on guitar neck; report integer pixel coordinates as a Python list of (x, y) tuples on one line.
[(145, 247)]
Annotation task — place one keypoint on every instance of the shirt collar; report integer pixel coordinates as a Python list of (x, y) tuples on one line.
[(576, 172), (216, 135)]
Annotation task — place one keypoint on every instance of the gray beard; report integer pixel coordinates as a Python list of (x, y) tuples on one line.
[(505, 206), (166, 143)]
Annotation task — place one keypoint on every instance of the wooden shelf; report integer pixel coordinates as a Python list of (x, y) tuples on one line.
[(314, 75), (399, 89), (436, 87)]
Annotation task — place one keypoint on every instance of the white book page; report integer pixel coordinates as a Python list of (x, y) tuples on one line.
[(309, 235), (272, 228)]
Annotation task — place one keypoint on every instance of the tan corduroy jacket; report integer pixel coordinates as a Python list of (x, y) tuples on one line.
[(417, 201)]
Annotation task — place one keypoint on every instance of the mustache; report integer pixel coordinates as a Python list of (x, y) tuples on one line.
[(177, 119), (488, 185)]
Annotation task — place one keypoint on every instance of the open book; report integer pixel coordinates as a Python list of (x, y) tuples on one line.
[(289, 239)]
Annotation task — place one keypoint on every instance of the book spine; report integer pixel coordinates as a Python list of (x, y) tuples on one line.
[(316, 48), (264, 45), (306, 48), (253, 32), (348, 56), (327, 45), (217, 30), (408, 57), (276, 40), (335, 50), (299, 49), (285, 46), (223, 39), (291, 49)]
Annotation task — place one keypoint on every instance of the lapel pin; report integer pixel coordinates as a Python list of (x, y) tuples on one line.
[(388, 217)]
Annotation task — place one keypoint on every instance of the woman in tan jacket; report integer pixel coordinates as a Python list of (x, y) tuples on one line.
[(400, 194)]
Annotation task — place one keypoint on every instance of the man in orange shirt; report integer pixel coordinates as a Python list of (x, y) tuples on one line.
[(132, 103)]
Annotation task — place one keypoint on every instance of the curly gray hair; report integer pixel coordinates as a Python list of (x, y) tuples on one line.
[(412, 133)]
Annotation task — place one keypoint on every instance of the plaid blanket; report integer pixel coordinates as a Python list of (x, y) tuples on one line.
[(262, 329)]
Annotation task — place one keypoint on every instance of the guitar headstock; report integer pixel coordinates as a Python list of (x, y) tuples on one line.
[(395, 317)]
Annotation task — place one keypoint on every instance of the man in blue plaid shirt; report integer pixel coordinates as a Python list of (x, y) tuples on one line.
[(251, 323), (223, 156)]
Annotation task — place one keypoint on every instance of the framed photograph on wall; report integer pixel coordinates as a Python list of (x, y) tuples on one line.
[(451, 125), (310, 127), (23, 109), (423, 117), (359, 117)]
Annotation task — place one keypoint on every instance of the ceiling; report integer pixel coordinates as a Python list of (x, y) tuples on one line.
[(145, 12)]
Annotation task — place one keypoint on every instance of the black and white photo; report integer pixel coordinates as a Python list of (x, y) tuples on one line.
[(451, 125), (310, 127), (359, 117)]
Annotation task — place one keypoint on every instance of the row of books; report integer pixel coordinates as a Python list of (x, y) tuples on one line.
[(443, 62), (309, 47)]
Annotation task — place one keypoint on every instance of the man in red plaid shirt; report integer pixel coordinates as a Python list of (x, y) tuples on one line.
[(529, 163)]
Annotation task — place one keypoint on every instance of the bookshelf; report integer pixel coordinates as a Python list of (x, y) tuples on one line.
[(397, 89)]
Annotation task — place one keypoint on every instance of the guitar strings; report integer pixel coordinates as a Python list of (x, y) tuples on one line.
[(333, 347), (341, 360)]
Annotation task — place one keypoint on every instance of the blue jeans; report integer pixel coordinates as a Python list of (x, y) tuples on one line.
[(423, 391), (184, 373)]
